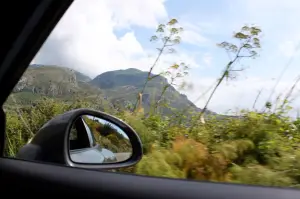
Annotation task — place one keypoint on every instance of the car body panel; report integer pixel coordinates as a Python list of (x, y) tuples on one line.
[(89, 133), (92, 155)]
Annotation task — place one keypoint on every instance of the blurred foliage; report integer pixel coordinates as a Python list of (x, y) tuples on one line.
[(108, 136), (252, 148)]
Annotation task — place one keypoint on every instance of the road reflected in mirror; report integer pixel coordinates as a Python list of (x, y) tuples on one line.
[(93, 140)]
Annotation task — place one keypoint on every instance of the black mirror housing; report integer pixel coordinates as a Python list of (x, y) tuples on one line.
[(51, 143)]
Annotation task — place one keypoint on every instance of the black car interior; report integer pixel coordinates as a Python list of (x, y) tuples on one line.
[(80, 139)]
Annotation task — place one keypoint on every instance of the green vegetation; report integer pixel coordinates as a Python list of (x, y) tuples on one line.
[(108, 137), (253, 147)]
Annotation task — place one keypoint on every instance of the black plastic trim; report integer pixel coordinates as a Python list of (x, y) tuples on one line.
[(31, 36), (28, 178), (38, 27)]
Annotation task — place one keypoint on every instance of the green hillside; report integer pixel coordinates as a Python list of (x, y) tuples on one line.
[(54, 81), (124, 85)]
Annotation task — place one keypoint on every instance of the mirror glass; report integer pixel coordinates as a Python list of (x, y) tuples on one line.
[(97, 141)]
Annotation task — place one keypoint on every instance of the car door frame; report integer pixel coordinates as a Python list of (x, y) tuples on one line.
[(25, 178), (89, 134)]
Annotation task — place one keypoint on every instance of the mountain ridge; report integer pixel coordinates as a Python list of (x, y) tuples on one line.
[(119, 86)]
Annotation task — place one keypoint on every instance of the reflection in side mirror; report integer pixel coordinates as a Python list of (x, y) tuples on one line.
[(85, 138), (93, 140)]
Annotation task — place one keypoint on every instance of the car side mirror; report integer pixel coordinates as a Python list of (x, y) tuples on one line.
[(85, 138)]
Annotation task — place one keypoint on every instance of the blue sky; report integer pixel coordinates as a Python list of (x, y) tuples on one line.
[(101, 35)]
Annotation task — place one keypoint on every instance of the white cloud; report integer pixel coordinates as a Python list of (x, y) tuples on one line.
[(192, 33), (207, 59), (85, 39), (287, 48), (144, 13), (193, 37)]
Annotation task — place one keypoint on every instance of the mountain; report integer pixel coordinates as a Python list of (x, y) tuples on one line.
[(53, 81), (119, 87), (123, 86), (133, 77), (79, 76)]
